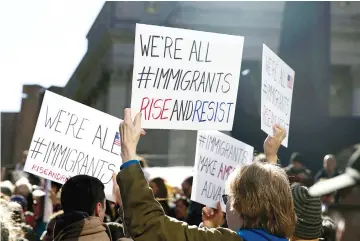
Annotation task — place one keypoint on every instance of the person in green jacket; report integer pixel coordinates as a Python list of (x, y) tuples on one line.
[(259, 197)]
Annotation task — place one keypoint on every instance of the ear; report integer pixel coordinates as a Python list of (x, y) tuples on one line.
[(98, 209)]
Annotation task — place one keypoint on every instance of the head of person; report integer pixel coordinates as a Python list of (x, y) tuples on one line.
[(259, 196), (308, 214), (187, 187), (297, 160), (159, 188), (55, 187), (85, 194), (329, 163), (6, 188), (20, 200), (23, 187), (346, 210), (181, 205)]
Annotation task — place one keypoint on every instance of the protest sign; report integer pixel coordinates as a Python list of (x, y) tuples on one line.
[(71, 139), (277, 82), (217, 155), (185, 79)]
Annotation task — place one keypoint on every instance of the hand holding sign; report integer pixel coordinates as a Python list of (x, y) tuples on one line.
[(272, 143), (213, 218), (130, 132), (277, 82)]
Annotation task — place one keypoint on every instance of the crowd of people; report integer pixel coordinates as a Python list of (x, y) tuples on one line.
[(264, 202)]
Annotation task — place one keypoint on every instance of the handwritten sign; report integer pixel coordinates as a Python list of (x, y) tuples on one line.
[(217, 155), (276, 93), (185, 79), (72, 139)]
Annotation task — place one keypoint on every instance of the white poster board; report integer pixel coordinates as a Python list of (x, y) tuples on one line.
[(71, 139), (277, 83), (217, 155), (185, 79)]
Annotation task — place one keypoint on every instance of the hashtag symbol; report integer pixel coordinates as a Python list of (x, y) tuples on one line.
[(202, 140), (144, 76), (36, 150)]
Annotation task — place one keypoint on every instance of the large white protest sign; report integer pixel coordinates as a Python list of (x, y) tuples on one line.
[(217, 155), (71, 139), (276, 93), (185, 79)]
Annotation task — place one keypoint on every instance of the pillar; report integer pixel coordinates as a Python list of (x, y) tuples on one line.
[(305, 46)]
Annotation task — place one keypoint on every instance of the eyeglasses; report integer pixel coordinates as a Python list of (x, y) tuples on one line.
[(225, 198)]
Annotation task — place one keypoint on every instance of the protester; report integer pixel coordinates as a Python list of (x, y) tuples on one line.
[(24, 188), (55, 195), (329, 169), (20, 200), (160, 192), (346, 211), (308, 215), (297, 171), (180, 209), (194, 209), (83, 203), (7, 188), (12, 222), (260, 195)]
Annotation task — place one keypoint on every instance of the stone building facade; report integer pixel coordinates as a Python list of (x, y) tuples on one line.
[(103, 78)]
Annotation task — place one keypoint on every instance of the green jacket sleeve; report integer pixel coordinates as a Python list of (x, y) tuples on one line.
[(145, 219)]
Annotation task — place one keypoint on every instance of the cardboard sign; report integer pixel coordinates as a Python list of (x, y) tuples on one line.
[(185, 79), (217, 155), (277, 83), (71, 139)]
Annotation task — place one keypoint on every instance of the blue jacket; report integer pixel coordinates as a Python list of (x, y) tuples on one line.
[(258, 235)]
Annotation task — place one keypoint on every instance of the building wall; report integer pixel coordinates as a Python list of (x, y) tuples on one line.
[(26, 120), (8, 133), (111, 45)]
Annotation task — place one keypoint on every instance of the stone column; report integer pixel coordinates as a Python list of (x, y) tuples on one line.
[(119, 92), (305, 46)]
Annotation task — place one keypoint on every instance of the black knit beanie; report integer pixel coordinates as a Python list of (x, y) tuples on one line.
[(308, 213)]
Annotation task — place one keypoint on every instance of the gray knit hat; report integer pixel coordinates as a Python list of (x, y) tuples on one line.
[(308, 213)]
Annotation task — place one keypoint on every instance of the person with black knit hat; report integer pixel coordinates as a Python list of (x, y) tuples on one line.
[(308, 213)]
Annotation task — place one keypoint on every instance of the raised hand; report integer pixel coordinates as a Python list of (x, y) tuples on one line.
[(272, 143), (130, 132)]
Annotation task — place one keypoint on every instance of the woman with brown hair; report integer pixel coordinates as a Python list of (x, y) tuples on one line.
[(260, 196), (160, 193)]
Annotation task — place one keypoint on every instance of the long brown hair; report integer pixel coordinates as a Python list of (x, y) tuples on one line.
[(261, 194)]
